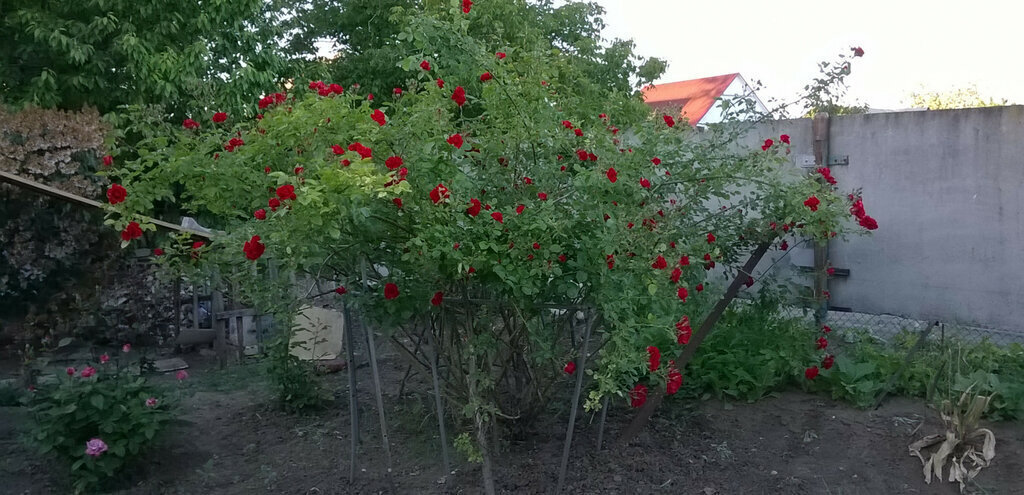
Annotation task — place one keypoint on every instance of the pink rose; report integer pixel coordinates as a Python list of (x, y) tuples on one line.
[(95, 447)]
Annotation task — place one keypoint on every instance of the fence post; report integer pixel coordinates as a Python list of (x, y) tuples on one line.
[(820, 126)]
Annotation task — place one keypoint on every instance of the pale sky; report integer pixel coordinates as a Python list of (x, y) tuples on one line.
[(909, 45)]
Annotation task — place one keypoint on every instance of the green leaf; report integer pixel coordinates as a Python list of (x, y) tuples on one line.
[(97, 401)]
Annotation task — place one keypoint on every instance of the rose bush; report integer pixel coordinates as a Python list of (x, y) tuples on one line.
[(515, 180)]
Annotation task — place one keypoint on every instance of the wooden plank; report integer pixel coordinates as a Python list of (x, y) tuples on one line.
[(44, 189)]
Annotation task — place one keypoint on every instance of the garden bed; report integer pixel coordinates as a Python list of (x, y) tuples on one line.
[(233, 439)]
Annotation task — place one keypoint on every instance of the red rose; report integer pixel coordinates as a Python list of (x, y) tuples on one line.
[(471, 270), (455, 246), (286, 191), (868, 223), (659, 263), (653, 358), (749, 282), (592, 157), (260, 214), (669, 121), (644, 183), (393, 162), (440, 83), (826, 328), (638, 395), (397, 202), (857, 51), (369, 97), (684, 260), (273, 203), (562, 258), (536, 245), (390, 291), (254, 248), (582, 155), (459, 95), (567, 124), (828, 362), (822, 342), (439, 193), (857, 209), (378, 117), (132, 231), (826, 173), (682, 293), (298, 170), (425, 65), (811, 373), (116, 194), (656, 161), (578, 132), (108, 161), (767, 144), (497, 217), (711, 237), (700, 287), (784, 138), (397, 91), (676, 273), (341, 291), (675, 380), (610, 259), (519, 209), (316, 84), (474, 207), (683, 331), (363, 151), (158, 252), (219, 117), (437, 299), (338, 149), (190, 124), (542, 196), (612, 175), (784, 246), (455, 140), (812, 203), (570, 367), (486, 76), (466, 4), (346, 162), (500, 55), (830, 271)]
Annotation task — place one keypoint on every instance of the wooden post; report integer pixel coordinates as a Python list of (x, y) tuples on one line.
[(353, 404), (820, 126), (580, 367), (216, 308), (438, 404), (372, 354)]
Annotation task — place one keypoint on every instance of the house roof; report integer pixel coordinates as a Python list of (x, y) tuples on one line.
[(695, 97)]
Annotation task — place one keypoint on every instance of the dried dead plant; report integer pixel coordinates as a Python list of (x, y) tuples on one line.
[(965, 446)]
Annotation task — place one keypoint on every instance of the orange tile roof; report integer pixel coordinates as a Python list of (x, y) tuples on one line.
[(694, 97)]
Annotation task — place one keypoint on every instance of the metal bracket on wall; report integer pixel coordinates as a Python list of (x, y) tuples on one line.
[(807, 161)]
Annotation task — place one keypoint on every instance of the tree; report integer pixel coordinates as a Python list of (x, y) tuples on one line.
[(967, 97), (506, 172), (185, 56)]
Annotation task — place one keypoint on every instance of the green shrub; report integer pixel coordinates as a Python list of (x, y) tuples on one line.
[(97, 420), (752, 351), (295, 383)]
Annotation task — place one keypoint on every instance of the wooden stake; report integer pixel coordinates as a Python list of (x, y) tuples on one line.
[(581, 363), (353, 405), (372, 354)]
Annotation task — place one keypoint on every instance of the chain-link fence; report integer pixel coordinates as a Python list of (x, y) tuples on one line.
[(885, 327)]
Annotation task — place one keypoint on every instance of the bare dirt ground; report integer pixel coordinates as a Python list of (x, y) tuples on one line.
[(233, 440)]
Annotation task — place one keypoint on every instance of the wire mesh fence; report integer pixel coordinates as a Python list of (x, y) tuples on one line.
[(885, 327)]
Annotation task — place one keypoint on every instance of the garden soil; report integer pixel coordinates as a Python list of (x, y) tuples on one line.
[(231, 439)]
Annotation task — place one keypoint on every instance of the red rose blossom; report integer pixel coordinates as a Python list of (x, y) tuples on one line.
[(811, 373), (425, 65), (393, 162), (542, 196), (822, 343), (108, 161), (826, 173), (682, 293), (474, 207), (570, 367), (562, 258), (519, 209), (253, 248), (812, 203), (578, 132), (683, 331), (653, 358), (341, 291), (439, 193), (857, 51), (397, 202), (363, 151), (497, 217), (260, 214), (669, 121), (868, 223), (784, 138), (286, 192), (638, 395), (397, 91), (486, 76), (378, 117), (219, 117), (132, 231), (684, 260), (455, 140), (828, 362), (610, 259), (116, 194), (711, 237), (466, 5), (676, 273), (826, 328), (390, 291), (612, 175), (656, 161), (437, 299), (767, 144), (440, 83), (158, 252), (675, 380), (459, 96), (500, 55), (190, 124), (644, 183), (659, 263)]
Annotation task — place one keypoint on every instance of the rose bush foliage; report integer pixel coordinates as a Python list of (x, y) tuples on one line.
[(541, 186)]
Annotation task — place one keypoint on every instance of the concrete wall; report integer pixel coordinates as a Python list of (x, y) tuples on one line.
[(947, 189)]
